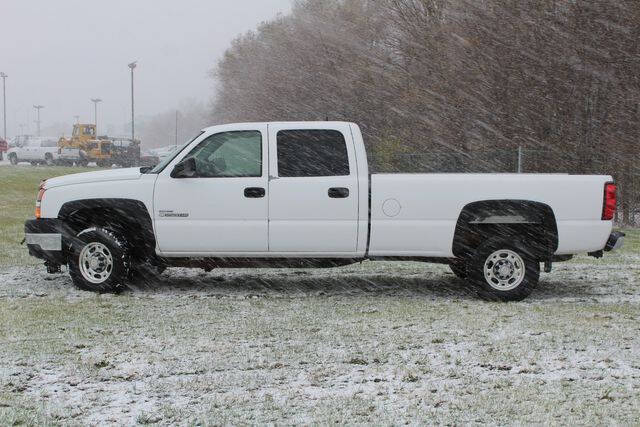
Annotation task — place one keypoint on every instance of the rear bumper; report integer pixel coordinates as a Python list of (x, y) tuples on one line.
[(44, 239), (615, 242)]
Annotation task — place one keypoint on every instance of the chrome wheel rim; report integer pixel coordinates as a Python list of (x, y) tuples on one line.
[(96, 262), (504, 270)]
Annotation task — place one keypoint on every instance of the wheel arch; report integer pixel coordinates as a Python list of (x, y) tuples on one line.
[(485, 219), (128, 216)]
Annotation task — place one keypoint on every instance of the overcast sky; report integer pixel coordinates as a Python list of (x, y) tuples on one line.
[(62, 53)]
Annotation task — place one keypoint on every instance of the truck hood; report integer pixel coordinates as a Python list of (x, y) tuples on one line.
[(99, 176)]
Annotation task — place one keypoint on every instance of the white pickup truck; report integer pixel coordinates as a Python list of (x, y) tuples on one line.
[(300, 194), (33, 149)]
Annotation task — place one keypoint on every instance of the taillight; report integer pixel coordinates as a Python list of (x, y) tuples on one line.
[(610, 202), (39, 200)]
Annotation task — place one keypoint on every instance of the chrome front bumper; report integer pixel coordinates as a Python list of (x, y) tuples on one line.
[(46, 241)]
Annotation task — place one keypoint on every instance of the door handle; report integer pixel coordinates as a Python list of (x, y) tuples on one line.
[(338, 193), (254, 192)]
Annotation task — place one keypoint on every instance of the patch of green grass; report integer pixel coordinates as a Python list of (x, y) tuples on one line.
[(18, 191), (632, 240)]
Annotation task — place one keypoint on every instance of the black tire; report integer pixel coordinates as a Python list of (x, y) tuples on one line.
[(506, 279), (48, 159), (13, 159), (107, 279), (459, 268)]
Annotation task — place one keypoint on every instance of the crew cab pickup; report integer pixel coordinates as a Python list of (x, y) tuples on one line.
[(300, 194)]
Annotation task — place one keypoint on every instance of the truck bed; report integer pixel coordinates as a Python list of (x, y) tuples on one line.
[(416, 214)]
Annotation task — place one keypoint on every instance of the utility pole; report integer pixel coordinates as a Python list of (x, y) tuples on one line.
[(38, 108), (4, 103), (132, 66), (95, 112), (176, 140)]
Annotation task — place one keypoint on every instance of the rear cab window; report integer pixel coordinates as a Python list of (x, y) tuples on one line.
[(312, 153)]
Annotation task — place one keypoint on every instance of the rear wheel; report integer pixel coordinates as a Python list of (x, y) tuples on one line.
[(504, 270), (48, 159), (99, 261)]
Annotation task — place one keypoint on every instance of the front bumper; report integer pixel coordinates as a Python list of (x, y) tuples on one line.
[(44, 239)]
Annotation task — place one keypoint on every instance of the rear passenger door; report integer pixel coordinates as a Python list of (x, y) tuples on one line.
[(313, 189)]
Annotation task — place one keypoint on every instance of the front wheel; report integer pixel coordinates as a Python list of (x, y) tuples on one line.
[(99, 261), (13, 159), (504, 270)]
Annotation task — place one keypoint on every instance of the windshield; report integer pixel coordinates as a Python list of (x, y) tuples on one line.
[(163, 164)]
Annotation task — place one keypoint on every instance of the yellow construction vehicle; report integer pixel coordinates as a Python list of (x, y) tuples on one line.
[(84, 146)]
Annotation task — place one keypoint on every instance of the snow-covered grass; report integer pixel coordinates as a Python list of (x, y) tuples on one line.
[(375, 343)]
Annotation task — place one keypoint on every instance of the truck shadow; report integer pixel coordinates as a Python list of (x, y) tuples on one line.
[(303, 284), (300, 284)]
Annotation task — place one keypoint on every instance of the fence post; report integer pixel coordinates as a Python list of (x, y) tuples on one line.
[(519, 159)]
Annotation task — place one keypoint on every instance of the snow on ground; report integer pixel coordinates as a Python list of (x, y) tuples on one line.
[(370, 343)]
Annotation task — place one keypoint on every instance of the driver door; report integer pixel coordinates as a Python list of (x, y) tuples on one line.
[(221, 210)]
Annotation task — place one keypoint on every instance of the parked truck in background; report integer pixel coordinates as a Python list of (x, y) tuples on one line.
[(292, 194), (125, 152), (33, 149)]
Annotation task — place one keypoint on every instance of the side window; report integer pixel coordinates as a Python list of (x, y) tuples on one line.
[(304, 153), (229, 155)]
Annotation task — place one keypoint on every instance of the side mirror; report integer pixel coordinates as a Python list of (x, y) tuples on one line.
[(184, 169)]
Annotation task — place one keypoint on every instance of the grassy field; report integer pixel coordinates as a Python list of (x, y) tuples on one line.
[(373, 343), (18, 191)]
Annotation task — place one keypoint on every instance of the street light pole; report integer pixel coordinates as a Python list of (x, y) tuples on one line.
[(4, 103), (38, 108), (132, 66), (95, 112)]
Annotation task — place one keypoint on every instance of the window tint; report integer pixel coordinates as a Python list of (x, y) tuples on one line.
[(229, 154), (312, 153)]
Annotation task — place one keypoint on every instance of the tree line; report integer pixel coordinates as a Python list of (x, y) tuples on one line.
[(454, 85)]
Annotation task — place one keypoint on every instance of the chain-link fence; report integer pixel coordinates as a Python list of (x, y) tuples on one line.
[(624, 169)]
